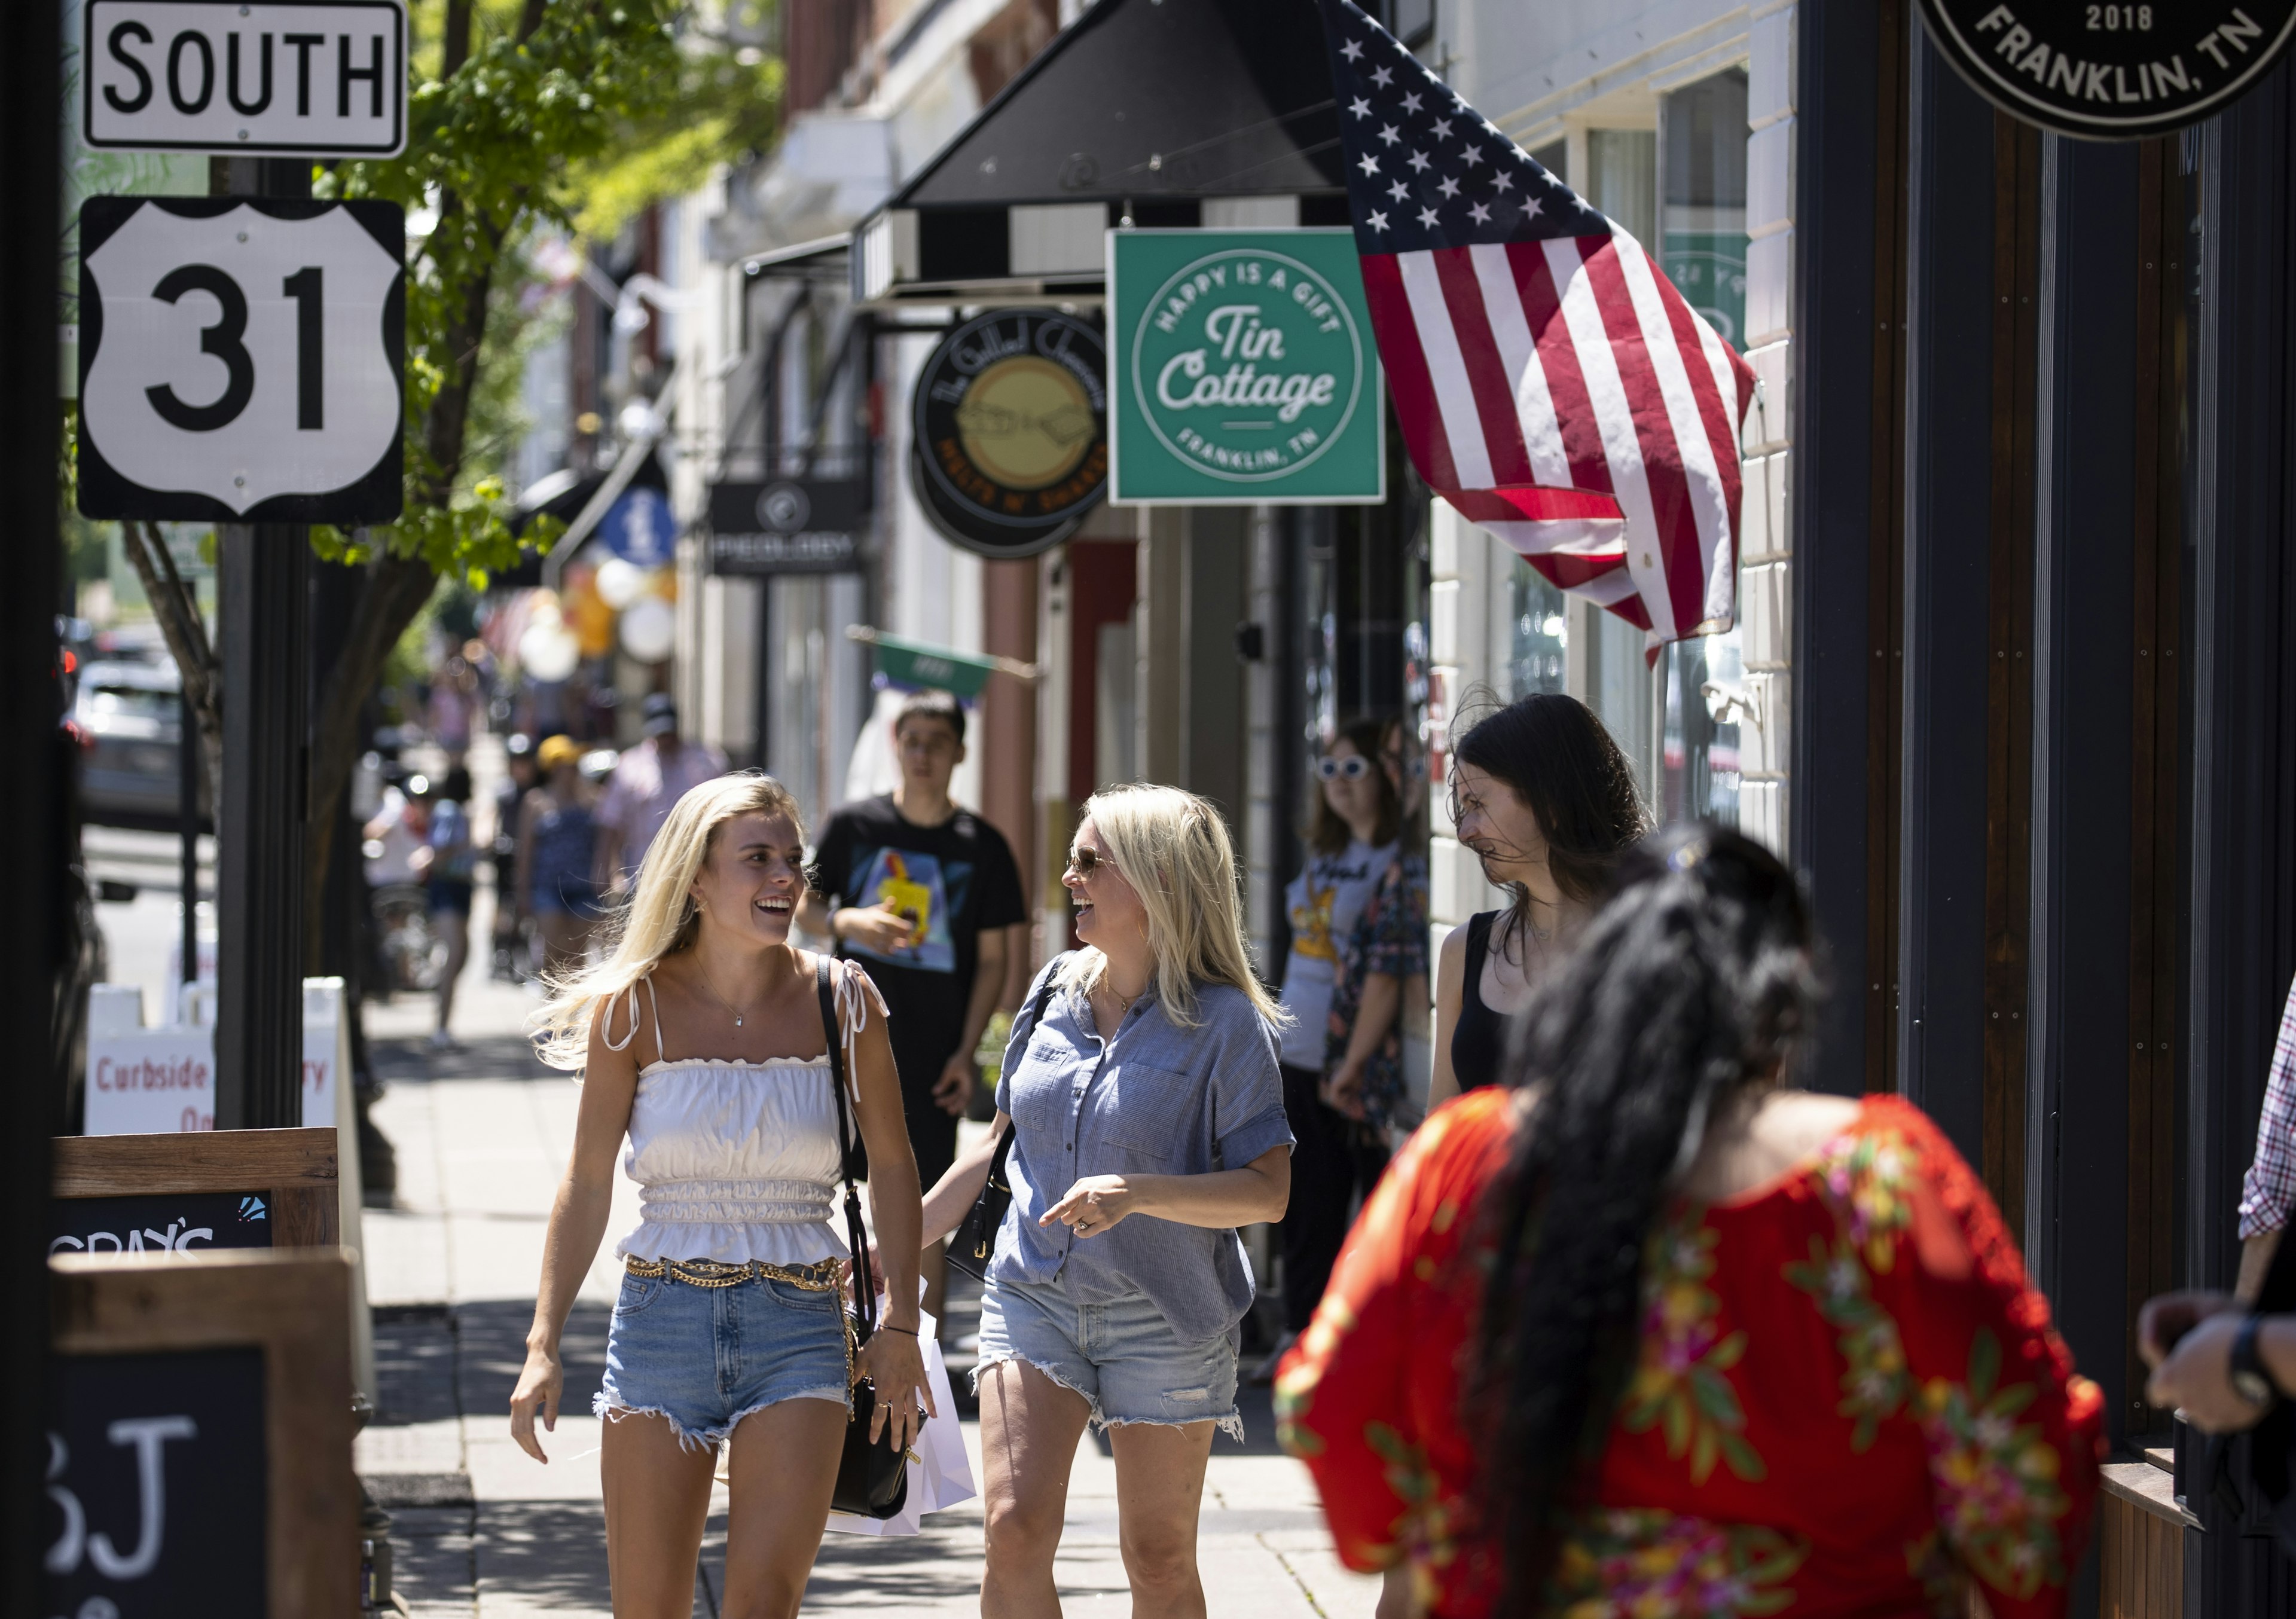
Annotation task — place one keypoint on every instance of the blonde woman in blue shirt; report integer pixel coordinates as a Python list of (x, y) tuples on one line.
[(1142, 1086)]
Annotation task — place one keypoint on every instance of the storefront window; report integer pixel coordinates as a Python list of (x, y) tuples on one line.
[(1622, 178), (1539, 635), (1620, 682), (1704, 170), (1698, 755), (1703, 152)]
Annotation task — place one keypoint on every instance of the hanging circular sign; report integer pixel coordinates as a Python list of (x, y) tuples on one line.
[(2111, 72), (1011, 423)]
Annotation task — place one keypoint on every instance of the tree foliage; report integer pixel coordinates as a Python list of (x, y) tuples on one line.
[(568, 114), (519, 103), (522, 115)]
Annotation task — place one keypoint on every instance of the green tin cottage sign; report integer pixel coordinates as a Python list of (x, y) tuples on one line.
[(1242, 370)]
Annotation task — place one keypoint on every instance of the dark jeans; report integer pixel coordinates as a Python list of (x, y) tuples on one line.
[(1334, 1160)]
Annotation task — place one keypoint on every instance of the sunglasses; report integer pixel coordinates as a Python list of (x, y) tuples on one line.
[(1084, 862), (1351, 768)]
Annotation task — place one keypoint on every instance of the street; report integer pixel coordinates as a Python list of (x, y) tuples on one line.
[(1609, 685), (478, 1528)]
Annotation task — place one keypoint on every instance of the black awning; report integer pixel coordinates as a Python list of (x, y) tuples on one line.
[(562, 496), (1154, 99), (1153, 107)]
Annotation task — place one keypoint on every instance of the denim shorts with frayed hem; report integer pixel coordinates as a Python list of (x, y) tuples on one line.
[(1121, 1355), (704, 1358)]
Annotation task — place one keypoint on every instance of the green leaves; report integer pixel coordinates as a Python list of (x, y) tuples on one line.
[(578, 123)]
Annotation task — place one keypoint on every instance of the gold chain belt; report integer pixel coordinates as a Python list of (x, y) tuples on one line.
[(825, 1276)]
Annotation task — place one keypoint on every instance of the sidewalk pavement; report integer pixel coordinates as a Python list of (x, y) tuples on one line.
[(479, 1528)]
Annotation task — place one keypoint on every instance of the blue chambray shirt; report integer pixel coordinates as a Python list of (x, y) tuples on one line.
[(1155, 1099)]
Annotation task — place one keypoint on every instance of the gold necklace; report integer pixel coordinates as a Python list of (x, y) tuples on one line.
[(1124, 1001), (712, 988)]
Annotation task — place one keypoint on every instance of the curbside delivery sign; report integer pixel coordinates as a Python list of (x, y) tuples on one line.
[(1243, 369)]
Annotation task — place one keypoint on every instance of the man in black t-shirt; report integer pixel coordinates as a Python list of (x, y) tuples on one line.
[(926, 897)]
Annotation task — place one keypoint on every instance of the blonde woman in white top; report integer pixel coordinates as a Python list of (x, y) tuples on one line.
[(701, 1038)]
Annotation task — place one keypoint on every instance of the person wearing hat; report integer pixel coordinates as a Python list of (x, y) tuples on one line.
[(557, 842), (648, 782)]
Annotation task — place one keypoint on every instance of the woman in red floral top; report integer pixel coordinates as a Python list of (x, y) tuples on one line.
[(1775, 1354)]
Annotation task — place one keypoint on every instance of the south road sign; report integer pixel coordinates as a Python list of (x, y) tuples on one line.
[(240, 359), (191, 76)]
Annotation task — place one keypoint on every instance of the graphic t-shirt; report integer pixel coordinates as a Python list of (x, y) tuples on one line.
[(1323, 901), (951, 881)]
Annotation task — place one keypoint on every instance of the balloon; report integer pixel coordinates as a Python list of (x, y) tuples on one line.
[(547, 652), (621, 582), (591, 620), (649, 629)]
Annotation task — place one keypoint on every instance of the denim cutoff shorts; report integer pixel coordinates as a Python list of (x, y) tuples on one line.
[(1121, 1355), (704, 1358)]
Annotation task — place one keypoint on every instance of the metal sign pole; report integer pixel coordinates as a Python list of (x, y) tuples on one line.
[(264, 584), (187, 806), (32, 945)]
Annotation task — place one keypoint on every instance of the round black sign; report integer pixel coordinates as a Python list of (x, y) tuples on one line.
[(2111, 72), (1010, 430)]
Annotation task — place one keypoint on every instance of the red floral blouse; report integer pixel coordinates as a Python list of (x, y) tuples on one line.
[(1849, 1400)]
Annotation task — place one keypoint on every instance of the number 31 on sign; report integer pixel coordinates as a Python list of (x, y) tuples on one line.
[(240, 359)]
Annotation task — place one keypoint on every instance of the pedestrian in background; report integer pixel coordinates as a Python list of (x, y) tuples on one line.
[(2224, 1360), (928, 895), (447, 865), (1546, 801), (521, 773), (701, 1036), (1651, 1332), (1403, 755), (447, 712), (1344, 989), (1405, 759), (1141, 1087), (556, 883), (647, 783)]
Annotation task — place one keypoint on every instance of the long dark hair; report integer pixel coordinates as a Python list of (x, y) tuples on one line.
[(1694, 983), (1327, 834), (1557, 756)]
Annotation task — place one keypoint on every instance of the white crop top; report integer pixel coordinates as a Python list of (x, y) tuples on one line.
[(738, 1160)]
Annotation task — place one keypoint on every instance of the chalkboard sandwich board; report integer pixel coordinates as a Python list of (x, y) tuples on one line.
[(181, 1194), (199, 1436)]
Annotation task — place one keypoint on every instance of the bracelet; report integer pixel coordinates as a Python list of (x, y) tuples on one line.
[(903, 1331)]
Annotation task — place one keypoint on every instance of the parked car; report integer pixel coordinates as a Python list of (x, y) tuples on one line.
[(129, 716)]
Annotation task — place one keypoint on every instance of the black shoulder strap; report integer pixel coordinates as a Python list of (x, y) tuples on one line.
[(1479, 941), (1035, 1013), (857, 1236)]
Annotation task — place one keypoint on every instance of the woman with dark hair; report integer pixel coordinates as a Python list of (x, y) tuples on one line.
[(1652, 1333), (1547, 802), (1358, 914)]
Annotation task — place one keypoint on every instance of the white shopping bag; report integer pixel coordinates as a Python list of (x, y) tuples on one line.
[(940, 1476)]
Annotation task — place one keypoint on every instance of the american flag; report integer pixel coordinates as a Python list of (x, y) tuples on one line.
[(1551, 383)]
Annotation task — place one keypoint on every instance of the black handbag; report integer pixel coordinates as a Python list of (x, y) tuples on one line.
[(872, 1480), (975, 1242)]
